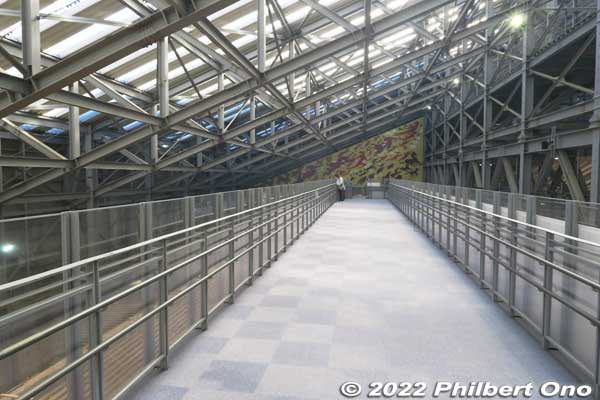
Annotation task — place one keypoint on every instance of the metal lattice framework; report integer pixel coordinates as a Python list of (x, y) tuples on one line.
[(158, 97)]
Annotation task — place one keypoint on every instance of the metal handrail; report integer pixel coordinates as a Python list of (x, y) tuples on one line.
[(67, 267), (432, 213), (524, 224), (305, 205)]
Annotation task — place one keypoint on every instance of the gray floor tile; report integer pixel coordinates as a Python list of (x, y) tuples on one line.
[(280, 301), (302, 353), (261, 330), (208, 344), (315, 316), (252, 350), (163, 392), (311, 333), (233, 376)]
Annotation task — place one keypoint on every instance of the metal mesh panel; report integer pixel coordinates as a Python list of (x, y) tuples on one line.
[(29, 246)]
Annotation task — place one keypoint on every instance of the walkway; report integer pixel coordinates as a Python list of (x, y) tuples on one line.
[(361, 296)]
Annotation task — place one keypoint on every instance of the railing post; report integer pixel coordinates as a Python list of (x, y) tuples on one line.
[(276, 216), (189, 221), (204, 285), (70, 240), (292, 220), (441, 204), (163, 313), (251, 245), (219, 207), (231, 268), (512, 276), (547, 298), (467, 239), (261, 236), (285, 220), (269, 233), (448, 220), (455, 223), (95, 336), (146, 233), (482, 250), (495, 266)]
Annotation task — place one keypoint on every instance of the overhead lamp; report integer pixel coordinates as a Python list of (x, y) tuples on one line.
[(517, 21), (456, 81), (8, 248)]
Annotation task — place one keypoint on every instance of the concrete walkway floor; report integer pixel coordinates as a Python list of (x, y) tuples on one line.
[(362, 296)]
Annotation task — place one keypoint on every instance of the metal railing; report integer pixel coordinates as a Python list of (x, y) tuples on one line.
[(547, 279), (40, 243), (115, 316)]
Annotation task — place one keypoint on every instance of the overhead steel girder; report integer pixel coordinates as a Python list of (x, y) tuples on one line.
[(322, 117), (89, 60), (536, 60), (104, 52), (357, 80), (204, 146), (565, 141), (385, 104), (168, 21), (537, 122)]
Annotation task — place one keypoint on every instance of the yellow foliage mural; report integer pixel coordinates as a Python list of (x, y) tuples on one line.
[(397, 153)]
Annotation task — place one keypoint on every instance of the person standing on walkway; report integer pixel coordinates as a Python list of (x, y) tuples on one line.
[(339, 182)]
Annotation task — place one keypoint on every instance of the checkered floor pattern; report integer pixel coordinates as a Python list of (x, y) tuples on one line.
[(362, 296)]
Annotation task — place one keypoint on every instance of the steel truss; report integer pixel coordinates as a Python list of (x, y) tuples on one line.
[(497, 95)]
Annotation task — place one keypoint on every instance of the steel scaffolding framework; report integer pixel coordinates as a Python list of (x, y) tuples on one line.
[(184, 96)]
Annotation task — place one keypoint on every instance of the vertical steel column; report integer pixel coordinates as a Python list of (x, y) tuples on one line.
[(252, 118), (595, 189), (527, 103), (221, 108), (487, 102), (595, 123), (30, 33), (308, 92), (261, 35), (90, 174), (74, 134)]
